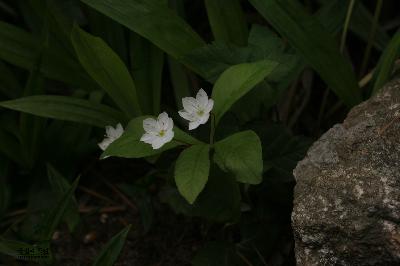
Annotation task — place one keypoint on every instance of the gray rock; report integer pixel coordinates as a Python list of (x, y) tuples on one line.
[(347, 196)]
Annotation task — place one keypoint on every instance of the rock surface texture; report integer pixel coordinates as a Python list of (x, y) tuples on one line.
[(347, 197)]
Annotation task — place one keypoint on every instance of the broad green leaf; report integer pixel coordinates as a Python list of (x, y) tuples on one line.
[(110, 252), (386, 62), (314, 43), (241, 154), (220, 200), (281, 150), (227, 21), (263, 44), (147, 63), (191, 171), (235, 82), (107, 69), (20, 48), (60, 186), (66, 108), (152, 20), (55, 215), (130, 146)]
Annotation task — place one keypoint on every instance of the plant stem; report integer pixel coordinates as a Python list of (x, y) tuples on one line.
[(346, 25), (371, 36), (212, 129)]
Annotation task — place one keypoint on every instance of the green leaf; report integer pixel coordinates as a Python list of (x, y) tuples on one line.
[(152, 20), (11, 247), (217, 254), (241, 154), (191, 171), (20, 48), (66, 108), (147, 63), (386, 62), (179, 80), (314, 43), (227, 21), (281, 150), (130, 146), (235, 82), (361, 23), (10, 147), (220, 200), (60, 186), (263, 44), (55, 215), (107, 69), (110, 252), (9, 84)]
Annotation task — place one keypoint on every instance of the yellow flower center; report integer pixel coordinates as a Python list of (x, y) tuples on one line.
[(200, 112), (161, 133)]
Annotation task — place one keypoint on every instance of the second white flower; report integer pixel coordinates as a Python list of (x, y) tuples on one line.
[(158, 131), (197, 110)]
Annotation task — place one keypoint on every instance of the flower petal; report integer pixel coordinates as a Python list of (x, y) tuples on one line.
[(148, 138), (187, 116), (194, 124), (204, 118), (202, 98), (169, 135), (157, 143), (209, 106), (162, 121), (119, 130), (105, 143), (149, 125), (190, 104), (170, 124)]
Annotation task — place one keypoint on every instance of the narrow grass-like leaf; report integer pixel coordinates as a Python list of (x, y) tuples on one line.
[(147, 63), (110, 252), (361, 23), (227, 21), (241, 154), (12, 247), (191, 171), (107, 69), (110, 31), (55, 215), (314, 43), (20, 48), (236, 81), (60, 186), (152, 20), (10, 147), (179, 80), (386, 62), (9, 84), (66, 108)]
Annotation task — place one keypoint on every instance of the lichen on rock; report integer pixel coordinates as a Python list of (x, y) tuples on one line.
[(347, 196)]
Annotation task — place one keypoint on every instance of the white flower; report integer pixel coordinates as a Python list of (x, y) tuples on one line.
[(197, 110), (158, 131), (111, 135)]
